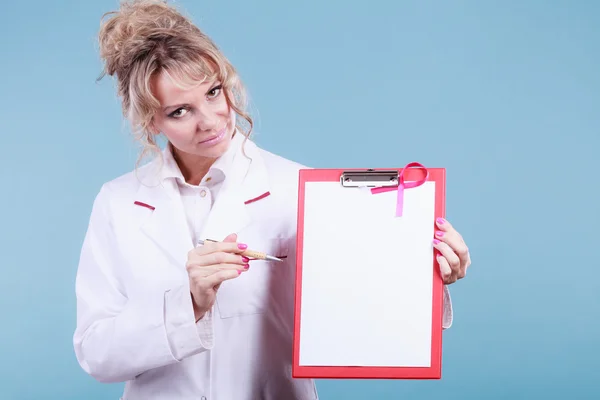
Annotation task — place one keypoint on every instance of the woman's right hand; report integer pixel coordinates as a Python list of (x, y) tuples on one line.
[(211, 264)]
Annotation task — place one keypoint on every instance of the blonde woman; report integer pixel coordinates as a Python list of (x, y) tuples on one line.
[(171, 319)]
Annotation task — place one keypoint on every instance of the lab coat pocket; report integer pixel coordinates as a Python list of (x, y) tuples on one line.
[(250, 293)]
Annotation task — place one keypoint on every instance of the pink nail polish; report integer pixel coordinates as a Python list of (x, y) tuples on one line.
[(435, 241), (246, 266), (440, 221), (439, 233), (242, 246), (245, 259), (239, 272)]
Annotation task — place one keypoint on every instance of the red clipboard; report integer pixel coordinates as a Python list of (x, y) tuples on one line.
[(352, 321)]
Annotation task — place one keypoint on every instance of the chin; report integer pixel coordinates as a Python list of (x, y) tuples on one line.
[(215, 152)]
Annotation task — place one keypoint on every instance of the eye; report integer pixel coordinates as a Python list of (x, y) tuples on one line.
[(214, 92), (180, 112)]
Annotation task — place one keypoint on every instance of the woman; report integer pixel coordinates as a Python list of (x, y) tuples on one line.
[(172, 319)]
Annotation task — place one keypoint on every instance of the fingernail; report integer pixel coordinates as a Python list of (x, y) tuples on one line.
[(245, 259), (242, 246), (440, 221), (246, 266), (239, 272), (435, 241), (439, 233)]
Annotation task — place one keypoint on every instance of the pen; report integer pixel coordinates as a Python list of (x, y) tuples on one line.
[(251, 253)]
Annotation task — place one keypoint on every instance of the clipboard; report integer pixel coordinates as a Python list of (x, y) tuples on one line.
[(368, 292)]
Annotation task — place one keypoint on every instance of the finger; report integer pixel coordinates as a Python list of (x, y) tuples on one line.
[(218, 277), (462, 272), (443, 224), (202, 260), (204, 271), (449, 235), (464, 266), (445, 270), (231, 238), (448, 254), (212, 247)]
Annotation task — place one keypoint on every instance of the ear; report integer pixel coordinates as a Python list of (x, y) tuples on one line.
[(152, 129)]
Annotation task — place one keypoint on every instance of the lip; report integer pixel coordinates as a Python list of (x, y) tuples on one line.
[(215, 139)]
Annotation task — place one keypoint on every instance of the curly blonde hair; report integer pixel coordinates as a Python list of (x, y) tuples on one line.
[(146, 37)]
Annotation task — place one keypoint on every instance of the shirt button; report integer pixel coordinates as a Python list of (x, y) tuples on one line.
[(203, 194)]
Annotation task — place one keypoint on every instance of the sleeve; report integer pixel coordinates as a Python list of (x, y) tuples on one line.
[(120, 334), (447, 315)]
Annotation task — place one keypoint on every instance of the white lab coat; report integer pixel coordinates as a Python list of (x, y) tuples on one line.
[(135, 321)]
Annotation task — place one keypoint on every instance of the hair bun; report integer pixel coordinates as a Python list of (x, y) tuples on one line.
[(131, 32)]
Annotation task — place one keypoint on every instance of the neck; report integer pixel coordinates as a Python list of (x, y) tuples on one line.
[(193, 168)]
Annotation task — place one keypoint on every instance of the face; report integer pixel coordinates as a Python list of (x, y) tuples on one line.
[(198, 122)]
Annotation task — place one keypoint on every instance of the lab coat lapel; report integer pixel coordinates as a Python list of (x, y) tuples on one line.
[(166, 223), (246, 180)]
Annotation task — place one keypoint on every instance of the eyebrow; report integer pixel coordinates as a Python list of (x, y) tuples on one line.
[(175, 106), (213, 84)]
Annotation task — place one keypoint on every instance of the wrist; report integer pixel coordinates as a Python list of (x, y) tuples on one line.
[(198, 314)]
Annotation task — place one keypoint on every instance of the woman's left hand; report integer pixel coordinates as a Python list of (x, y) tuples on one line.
[(453, 257)]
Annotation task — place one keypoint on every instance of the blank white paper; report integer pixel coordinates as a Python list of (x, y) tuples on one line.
[(367, 277)]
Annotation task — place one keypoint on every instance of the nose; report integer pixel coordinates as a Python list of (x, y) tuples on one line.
[(207, 120)]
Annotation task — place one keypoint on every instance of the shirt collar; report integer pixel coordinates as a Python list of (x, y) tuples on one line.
[(218, 170)]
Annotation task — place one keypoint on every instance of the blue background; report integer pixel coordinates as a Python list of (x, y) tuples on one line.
[(504, 94)]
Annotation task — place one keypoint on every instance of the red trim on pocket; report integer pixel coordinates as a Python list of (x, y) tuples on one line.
[(139, 203), (262, 196)]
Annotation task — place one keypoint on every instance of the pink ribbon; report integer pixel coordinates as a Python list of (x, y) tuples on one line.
[(402, 185)]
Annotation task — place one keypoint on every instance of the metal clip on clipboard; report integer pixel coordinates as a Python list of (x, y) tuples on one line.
[(369, 178), (384, 181)]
